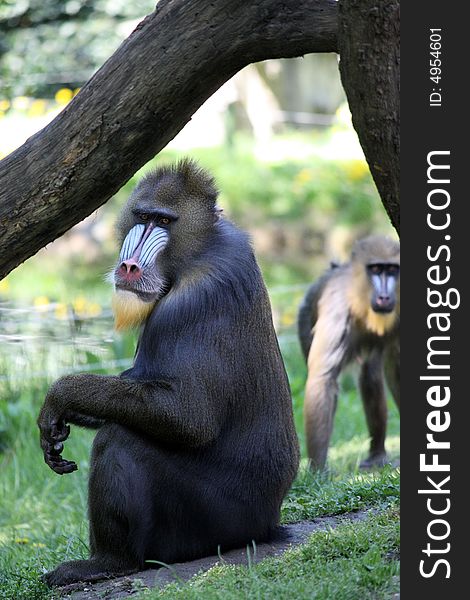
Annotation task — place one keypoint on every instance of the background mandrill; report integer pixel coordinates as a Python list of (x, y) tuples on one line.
[(196, 446), (352, 311)]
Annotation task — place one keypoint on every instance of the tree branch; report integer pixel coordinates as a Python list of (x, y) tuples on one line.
[(137, 102), (369, 46)]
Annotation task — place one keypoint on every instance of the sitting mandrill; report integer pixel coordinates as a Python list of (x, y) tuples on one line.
[(196, 446), (352, 311)]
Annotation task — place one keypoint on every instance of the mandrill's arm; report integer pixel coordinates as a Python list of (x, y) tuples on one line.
[(326, 357), (85, 420), (169, 411)]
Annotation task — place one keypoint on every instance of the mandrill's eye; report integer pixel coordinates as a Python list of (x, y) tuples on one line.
[(375, 269), (393, 270), (164, 221), (144, 217)]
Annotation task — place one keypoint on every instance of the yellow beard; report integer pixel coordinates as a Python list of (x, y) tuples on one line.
[(129, 310), (358, 295), (380, 324)]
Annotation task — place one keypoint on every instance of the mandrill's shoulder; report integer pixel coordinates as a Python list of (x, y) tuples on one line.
[(224, 281), (230, 258), (230, 241)]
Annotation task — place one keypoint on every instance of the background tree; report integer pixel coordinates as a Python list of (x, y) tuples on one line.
[(368, 44), (32, 35), (149, 88)]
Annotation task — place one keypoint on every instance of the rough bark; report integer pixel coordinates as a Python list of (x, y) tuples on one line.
[(369, 47), (137, 102)]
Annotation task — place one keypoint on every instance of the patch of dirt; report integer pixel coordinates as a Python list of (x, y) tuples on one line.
[(124, 587)]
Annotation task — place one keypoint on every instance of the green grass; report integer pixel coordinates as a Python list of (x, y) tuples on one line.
[(43, 516), (312, 496), (353, 561)]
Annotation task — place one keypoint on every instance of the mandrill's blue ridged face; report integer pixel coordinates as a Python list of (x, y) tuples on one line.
[(137, 279), (383, 278), (143, 244), (138, 253), (167, 222)]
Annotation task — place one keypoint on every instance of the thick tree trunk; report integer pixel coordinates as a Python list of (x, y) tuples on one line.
[(137, 102), (368, 43)]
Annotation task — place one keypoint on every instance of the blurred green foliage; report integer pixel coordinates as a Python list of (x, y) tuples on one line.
[(48, 45), (43, 517), (55, 319), (54, 312), (291, 207), (311, 189)]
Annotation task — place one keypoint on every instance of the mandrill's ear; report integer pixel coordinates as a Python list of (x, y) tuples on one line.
[(217, 213)]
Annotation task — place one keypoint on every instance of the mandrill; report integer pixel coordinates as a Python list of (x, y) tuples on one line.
[(352, 311), (196, 446)]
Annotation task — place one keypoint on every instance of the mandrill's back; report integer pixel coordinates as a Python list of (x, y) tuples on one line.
[(308, 311), (216, 327), (196, 446)]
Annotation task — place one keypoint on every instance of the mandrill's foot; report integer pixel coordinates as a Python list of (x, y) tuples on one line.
[(85, 570), (379, 459)]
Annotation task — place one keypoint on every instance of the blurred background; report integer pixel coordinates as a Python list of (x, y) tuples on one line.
[(279, 140)]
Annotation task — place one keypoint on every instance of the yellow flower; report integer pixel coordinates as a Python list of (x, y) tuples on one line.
[(356, 169), (80, 305), (4, 105), (84, 308), (287, 319), (41, 303), (63, 96), (4, 286), (303, 176), (37, 108), (23, 540), (61, 311), (94, 309)]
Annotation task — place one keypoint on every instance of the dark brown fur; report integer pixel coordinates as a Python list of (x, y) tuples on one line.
[(196, 446)]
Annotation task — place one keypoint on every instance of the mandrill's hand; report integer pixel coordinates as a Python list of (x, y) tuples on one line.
[(53, 432)]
